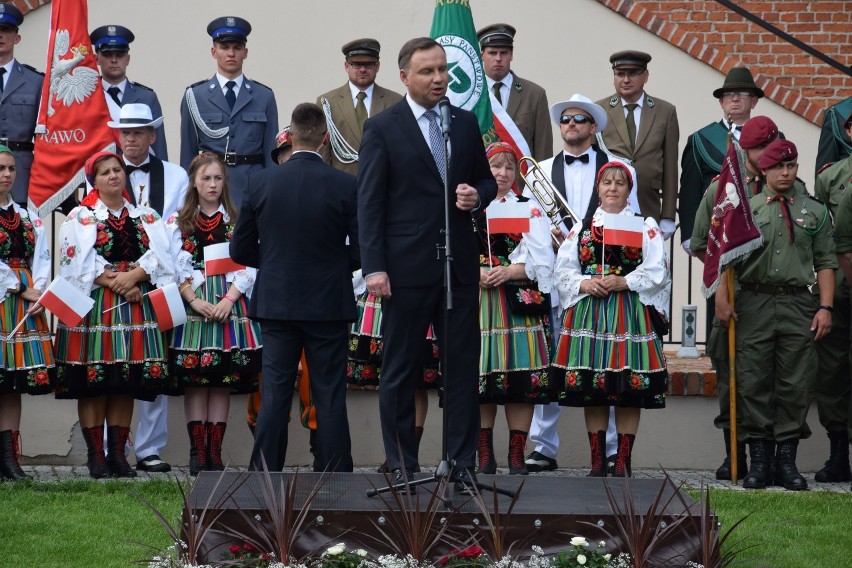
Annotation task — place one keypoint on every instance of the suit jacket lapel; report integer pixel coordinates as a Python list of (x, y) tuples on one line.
[(344, 118), (15, 81), (616, 116), (557, 174), (217, 98), (243, 98), (156, 177), (594, 200), (413, 134), (514, 98), (649, 113)]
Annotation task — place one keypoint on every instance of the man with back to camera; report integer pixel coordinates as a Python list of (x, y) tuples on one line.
[(401, 216)]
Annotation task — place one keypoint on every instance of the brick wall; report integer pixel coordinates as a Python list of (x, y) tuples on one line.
[(723, 39), (28, 5)]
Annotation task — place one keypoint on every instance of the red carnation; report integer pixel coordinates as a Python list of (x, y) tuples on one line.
[(234, 549), (41, 377), (155, 371), (190, 361)]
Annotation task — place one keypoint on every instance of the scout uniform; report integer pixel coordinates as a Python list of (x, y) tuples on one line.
[(833, 389), (776, 358), (19, 101), (242, 136), (118, 38)]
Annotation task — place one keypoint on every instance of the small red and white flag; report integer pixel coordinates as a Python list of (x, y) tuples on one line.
[(217, 260), (623, 230), (168, 306), (508, 217), (66, 302)]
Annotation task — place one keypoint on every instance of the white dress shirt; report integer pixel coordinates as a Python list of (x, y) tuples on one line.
[(368, 100), (637, 112), (239, 83), (423, 123), (505, 90)]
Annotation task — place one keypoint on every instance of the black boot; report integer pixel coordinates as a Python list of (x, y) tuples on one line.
[(517, 445), (759, 475), (197, 446), (623, 457), (485, 452), (116, 460), (837, 467), (10, 444), (215, 434), (95, 458), (724, 471), (786, 473), (597, 447)]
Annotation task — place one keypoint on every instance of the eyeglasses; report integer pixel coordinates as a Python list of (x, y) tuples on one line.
[(737, 94), (577, 118), (363, 64), (628, 73)]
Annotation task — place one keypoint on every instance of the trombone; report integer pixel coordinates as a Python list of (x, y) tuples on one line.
[(555, 206)]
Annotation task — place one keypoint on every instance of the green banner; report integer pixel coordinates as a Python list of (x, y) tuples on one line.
[(452, 27)]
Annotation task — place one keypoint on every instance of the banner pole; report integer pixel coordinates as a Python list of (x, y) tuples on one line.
[(732, 380)]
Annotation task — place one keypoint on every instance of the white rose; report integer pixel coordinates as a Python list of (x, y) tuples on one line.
[(361, 552), (336, 549), (579, 541), (607, 557), (581, 559), (602, 544)]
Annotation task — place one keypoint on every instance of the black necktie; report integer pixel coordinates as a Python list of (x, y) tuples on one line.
[(114, 92), (571, 159), (130, 168), (230, 95), (2, 74)]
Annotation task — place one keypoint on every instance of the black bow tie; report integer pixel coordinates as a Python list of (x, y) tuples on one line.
[(571, 159), (130, 168)]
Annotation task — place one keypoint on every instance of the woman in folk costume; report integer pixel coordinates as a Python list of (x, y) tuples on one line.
[(609, 352), (217, 351), (116, 253), (515, 278), (27, 364)]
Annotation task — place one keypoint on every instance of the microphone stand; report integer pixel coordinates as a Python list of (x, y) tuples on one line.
[(443, 473)]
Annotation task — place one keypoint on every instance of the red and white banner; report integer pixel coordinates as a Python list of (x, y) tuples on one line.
[(168, 306), (507, 130), (508, 217), (217, 260), (66, 302), (72, 120), (623, 230)]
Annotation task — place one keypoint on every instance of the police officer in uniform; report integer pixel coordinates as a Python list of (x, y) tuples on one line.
[(757, 133), (778, 320), (524, 101), (19, 100), (112, 47), (834, 141), (644, 129), (348, 107), (833, 387), (229, 114), (706, 148)]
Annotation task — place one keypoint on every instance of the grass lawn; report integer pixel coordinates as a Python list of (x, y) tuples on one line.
[(90, 524)]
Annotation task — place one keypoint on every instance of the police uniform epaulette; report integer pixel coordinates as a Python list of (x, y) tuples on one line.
[(31, 68), (197, 83), (140, 85), (825, 167), (259, 83), (815, 198)]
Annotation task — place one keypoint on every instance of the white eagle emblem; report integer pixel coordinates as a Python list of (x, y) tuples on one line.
[(68, 84)]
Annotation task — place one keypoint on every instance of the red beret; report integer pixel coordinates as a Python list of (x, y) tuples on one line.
[(777, 152), (758, 131)]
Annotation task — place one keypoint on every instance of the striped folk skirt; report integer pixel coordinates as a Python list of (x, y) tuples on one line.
[(608, 354), (120, 352), (206, 353), (514, 354), (27, 364), (364, 367)]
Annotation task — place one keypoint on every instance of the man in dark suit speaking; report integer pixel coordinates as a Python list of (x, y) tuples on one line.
[(302, 213), (401, 217)]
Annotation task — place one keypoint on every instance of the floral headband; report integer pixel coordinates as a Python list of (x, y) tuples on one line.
[(614, 164), (499, 148)]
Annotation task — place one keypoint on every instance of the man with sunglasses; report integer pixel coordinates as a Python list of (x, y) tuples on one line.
[(644, 130), (348, 107), (572, 172)]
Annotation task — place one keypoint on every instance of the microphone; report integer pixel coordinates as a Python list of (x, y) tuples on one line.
[(444, 108)]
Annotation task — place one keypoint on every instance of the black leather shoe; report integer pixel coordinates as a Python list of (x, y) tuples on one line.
[(464, 481), (153, 464), (400, 480), (539, 462)]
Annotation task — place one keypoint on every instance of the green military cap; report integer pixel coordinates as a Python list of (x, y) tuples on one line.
[(630, 58), (363, 46), (738, 79), (496, 35)]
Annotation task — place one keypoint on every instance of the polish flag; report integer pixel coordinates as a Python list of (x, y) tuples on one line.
[(508, 217), (217, 260), (66, 302), (624, 230), (168, 306)]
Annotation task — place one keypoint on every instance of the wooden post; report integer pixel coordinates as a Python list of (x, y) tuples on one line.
[(732, 378)]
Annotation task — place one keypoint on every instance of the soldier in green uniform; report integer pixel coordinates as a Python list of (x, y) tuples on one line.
[(778, 320), (834, 143), (757, 133), (833, 389)]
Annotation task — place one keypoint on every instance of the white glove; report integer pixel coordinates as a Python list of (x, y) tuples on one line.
[(667, 226), (686, 249)]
